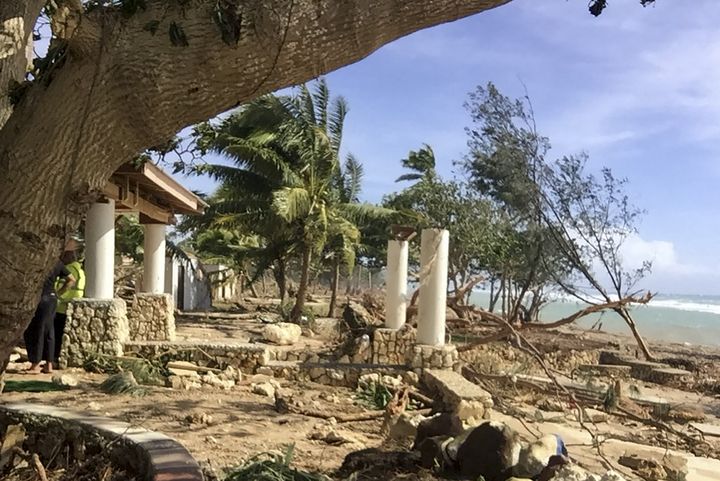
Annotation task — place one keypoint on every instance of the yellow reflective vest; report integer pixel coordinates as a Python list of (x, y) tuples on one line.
[(75, 292)]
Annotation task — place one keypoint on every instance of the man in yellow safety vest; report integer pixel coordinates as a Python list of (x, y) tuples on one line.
[(72, 262)]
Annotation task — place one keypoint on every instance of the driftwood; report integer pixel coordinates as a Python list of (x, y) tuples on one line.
[(507, 329)]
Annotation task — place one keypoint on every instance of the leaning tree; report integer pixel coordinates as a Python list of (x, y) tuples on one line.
[(121, 76)]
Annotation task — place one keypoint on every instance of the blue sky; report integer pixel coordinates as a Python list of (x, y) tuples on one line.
[(637, 88)]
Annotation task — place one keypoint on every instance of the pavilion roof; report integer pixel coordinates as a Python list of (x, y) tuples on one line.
[(151, 192)]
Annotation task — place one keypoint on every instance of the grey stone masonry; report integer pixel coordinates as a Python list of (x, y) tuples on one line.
[(433, 357), (457, 395), (242, 356), (392, 346), (94, 326), (151, 317)]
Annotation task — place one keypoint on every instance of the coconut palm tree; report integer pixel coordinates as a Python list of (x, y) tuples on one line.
[(286, 181)]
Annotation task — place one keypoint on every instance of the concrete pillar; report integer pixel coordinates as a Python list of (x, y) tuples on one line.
[(396, 284), (154, 259), (433, 286), (100, 251)]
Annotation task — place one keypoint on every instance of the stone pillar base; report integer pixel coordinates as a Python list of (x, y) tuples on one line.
[(433, 357), (151, 317), (94, 326), (391, 346)]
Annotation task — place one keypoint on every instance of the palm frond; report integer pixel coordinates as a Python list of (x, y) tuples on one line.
[(352, 178), (337, 121), (177, 253), (291, 203), (321, 97), (362, 213), (409, 177)]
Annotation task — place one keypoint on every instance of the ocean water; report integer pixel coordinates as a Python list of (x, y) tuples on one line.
[(692, 319)]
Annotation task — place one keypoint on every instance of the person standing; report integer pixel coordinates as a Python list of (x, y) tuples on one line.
[(39, 335), (72, 263)]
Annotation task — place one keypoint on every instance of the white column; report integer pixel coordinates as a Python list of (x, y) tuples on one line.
[(100, 250), (433, 286), (396, 284), (154, 259)]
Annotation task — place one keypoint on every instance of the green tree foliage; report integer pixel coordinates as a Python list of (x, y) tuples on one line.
[(571, 223), (287, 184), (432, 201)]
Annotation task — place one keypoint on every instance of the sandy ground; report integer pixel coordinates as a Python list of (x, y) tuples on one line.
[(242, 424), (222, 428)]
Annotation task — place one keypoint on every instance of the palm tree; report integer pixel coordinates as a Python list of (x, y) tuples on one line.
[(286, 180)]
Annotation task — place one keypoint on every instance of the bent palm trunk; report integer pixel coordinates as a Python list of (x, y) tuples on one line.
[(297, 309)]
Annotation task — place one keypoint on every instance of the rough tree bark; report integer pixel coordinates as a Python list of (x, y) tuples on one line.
[(122, 89), (334, 282), (299, 306)]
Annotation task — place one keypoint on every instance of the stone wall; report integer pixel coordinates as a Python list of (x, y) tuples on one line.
[(94, 326), (433, 357), (151, 317), (391, 346), (245, 357)]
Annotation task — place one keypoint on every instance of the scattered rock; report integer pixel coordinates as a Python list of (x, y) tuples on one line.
[(65, 380), (15, 357), (329, 397), (265, 371), (329, 435), (264, 389), (441, 424), (572, 472), (411, 378), (183, 383), (327, 328), (647, 468), (231, 373), (212, 379), (404, 427), (199, 418), (357, 317), (212, 440), (282, 333)]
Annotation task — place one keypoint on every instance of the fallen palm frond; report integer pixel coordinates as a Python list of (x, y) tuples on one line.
[(374, 396), (144, 371), (32, 386), (123, 383), (272, 467)]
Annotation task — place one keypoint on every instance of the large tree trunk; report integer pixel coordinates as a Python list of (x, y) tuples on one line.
[(280, 279), (297, 309), (335, 281), (120, 89), (623, 312)]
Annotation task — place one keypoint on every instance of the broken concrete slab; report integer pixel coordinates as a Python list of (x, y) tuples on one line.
[(458, 395), (670, 376), (707, 429)]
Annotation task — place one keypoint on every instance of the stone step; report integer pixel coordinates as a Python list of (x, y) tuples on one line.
[(639, 369), (605, 370), (458, 395), (670, 376)]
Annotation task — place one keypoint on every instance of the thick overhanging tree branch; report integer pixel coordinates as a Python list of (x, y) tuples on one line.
[(118, 80)]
